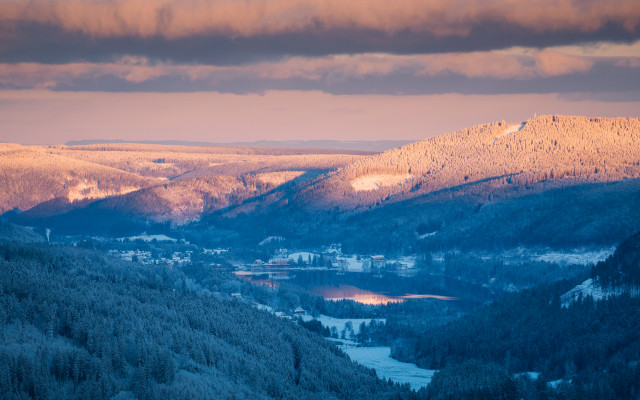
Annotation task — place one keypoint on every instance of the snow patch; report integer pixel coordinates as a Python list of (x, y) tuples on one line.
[(149, 238), (278, 178), (577, 257), (511, 129), (426, 235), (304, 254), (378, 181), (352, 263), (531, 375), (270, 239), (379, 358), (596, 291), (555, 384), (340, 323)]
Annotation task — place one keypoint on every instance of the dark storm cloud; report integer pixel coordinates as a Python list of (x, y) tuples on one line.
[(50, 44)]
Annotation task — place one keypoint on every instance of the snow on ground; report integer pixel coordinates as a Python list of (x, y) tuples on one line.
[(426, 235), (531, 375), (148, 238), (340, 323), (510, 130), (353, 264), (264, 307), (555, 384), (379, 358), (304, 254), (215, 252), (270, 239), (377, 181), (597, 292), (518, 255), (576, 257), (278, 178)]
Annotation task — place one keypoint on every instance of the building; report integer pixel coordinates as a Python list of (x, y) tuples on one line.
[(378, 262)]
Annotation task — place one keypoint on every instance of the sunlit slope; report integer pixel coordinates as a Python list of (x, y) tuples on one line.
[(567, 149), (186, 162), (160, 183), (32, 175)]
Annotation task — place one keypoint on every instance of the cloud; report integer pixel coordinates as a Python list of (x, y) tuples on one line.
[(172, 19), (227, 32), (297, 72)]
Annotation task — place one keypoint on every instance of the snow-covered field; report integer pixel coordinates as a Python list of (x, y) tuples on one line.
[(340, 323), (379, 358), (148, 238), (594, 290), (511, 129), (377, 181), (576, 257)]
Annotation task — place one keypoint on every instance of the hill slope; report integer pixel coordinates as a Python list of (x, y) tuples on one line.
[(180, 182), (568, 149), (32, 175), (76, 325)]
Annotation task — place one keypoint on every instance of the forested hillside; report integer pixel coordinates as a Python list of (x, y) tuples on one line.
[(589, 348), (30, 176), (182, 182), (570, 149), (76, 324), (483, 186)]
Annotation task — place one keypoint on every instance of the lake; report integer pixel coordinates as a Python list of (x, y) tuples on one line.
[(367, 287)]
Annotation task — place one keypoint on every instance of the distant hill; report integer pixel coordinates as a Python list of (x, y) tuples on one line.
[(357, 145), (48, 180), (566, 149), (33, 175), (550, 181)]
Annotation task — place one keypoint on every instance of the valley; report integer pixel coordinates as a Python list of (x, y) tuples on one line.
[(393, 260)]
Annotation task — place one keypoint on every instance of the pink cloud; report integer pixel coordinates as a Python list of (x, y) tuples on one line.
[(328, 68), (551, 63), (174, 19)]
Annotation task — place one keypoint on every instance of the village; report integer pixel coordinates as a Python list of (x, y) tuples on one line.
[(167, 251), (331, 257)]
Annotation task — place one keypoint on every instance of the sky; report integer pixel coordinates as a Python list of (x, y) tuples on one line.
[(246, 70)]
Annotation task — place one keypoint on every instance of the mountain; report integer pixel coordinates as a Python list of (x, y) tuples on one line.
[(551, 181), (359, 145), (161, 183), (33, 175), (558, 181), (564, 149)]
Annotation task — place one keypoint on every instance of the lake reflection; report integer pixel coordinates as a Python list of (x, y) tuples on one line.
[(360, 287), (350, 292)]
